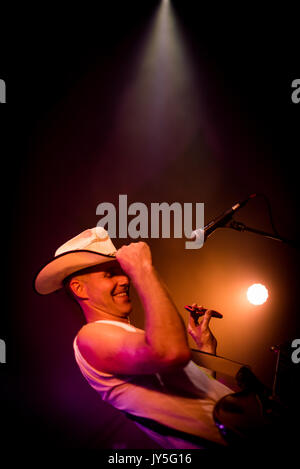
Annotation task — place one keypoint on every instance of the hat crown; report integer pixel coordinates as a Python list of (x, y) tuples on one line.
[(94, 239), (89, 248)]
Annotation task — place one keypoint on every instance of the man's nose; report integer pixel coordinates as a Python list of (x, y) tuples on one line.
[(123, 279)]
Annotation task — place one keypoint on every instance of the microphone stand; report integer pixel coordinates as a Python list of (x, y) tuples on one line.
[(236, 225)]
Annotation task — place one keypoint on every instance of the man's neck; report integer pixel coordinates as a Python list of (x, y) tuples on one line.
[(93, 314)]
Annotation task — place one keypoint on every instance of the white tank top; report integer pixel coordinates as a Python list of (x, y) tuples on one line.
[(183, 399)]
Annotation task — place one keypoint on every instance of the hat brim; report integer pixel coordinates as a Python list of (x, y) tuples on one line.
[(50, 277)]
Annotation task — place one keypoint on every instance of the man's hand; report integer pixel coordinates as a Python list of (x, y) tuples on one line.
[(201, 332), (135, 258)]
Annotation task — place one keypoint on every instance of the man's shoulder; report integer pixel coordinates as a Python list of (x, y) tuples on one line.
[(97, 338), (105, 328), (107, 347)]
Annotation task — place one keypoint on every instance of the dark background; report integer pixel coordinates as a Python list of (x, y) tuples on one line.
[(179, 104)]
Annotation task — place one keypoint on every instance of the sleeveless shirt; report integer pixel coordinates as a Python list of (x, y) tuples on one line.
[(182, 400)]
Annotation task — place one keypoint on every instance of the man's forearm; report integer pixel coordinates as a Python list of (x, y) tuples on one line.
[(165, 329)]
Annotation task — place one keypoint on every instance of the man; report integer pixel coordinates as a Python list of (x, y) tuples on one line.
[(147, 374)]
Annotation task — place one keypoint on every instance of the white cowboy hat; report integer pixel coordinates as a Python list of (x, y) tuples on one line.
[(89, 248)]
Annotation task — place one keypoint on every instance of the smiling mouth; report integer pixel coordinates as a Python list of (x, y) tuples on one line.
[(124, 293)]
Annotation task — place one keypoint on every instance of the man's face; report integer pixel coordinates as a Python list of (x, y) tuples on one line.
[(107, 288)]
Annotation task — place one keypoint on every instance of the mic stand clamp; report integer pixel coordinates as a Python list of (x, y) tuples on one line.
[(236, 225)]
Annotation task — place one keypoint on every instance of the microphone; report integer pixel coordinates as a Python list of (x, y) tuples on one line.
[(219, 221)]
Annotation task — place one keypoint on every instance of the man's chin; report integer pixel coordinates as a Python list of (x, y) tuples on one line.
[(122, 305), (125, 308), (128, 309)]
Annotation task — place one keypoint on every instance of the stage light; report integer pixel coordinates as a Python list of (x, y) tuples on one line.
[(257, 294)]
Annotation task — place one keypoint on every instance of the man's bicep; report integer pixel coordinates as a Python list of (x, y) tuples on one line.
[(112, 349)]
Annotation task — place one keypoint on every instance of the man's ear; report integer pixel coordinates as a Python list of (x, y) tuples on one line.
[(78, 287)]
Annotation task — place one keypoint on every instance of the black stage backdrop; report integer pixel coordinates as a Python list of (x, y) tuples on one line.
[(165, 102)]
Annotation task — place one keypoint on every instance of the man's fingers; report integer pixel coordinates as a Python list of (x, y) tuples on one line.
[(194, 314), (192, 322), (206, 318)]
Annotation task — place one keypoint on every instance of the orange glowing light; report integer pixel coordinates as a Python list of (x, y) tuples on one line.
[(257, 294)]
